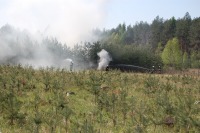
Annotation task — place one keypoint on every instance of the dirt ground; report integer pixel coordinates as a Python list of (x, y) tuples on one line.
[(194, 72)]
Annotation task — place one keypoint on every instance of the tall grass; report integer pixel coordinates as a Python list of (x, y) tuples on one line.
[(36, 101)]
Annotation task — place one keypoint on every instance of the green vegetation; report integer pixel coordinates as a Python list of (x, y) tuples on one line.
[(171, 55), (36, 101), (179, 35), (141, 44)]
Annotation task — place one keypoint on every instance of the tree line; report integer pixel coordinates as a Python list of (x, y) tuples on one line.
[(170, 43), (174, 42)]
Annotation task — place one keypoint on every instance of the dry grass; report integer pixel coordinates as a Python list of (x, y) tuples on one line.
[(104, 101)]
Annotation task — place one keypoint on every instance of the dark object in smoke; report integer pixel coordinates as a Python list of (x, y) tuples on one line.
[(129, 68)]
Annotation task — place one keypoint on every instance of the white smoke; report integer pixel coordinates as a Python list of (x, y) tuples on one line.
[(70, 21), (68, 60), (21, 47), (105, 59), (66, 63)]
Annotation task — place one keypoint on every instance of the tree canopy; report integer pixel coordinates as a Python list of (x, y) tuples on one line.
[(173, 42), (172, 54)]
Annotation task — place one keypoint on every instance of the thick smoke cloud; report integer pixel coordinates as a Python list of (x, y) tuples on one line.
[(105, 59), (21, 47), (70, 21)]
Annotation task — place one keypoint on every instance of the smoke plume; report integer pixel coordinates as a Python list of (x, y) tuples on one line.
[(66, 62), (21, 47), (70, 21), (104, 59)]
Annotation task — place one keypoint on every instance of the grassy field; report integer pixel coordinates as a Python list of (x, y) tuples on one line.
[(104, 102)]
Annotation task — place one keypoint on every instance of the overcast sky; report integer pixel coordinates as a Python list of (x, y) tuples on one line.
[(72, 20)]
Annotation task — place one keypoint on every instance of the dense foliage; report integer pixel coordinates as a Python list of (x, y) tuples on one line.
[(171, 55), (156, 36), (37, 101), (142, 44), (159, 31)]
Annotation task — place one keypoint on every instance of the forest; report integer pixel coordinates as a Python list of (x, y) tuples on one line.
[(171, 43)]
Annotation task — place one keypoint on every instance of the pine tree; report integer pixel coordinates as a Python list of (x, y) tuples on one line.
[(156, 31), (194, 34), (182, 31)]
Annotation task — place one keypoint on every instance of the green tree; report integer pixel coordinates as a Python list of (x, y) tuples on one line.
[(194, 34), (156, 31), (169, 29), (93, 50), (142, 33), (172, 55), (129, 36), (195, 59), (182, 31), (159, 49)]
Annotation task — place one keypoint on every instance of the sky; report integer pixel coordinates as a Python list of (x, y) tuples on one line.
[(71, 21), (132, 11)]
